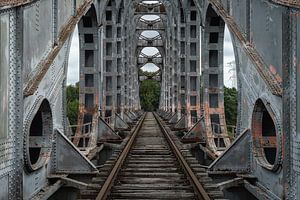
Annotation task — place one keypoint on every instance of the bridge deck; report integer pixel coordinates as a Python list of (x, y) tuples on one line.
[(152, 170)]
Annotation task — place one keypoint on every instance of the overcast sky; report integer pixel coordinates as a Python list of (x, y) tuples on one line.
[(73, 65), (229, 73)]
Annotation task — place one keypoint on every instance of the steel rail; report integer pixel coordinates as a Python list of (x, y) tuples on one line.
[(117, 167), (201, 193)]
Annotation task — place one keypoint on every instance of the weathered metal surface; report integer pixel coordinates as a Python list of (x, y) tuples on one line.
[(290, 3), (181, 125), (67, 158), (13, 3), (4, 62), (174, 119), (47, 192), (127, 119), (65, 33), (239, 151), (105, 132), (274, 81), (251, 85), (236, 182), (34, 48), (196, 132), (11, 146), (120, 124)]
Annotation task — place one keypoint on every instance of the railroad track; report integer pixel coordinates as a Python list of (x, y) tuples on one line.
[(152, 166)]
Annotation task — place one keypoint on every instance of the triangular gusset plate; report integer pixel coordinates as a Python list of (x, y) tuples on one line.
[(132, 115), (136, 113), (66, 157), (105, 132), (197, 132), (120, 124), (173, 119), (127, 119), (181, 124), (165, 114), (160, 112), (140, 113), (168, 116), (235, 158)]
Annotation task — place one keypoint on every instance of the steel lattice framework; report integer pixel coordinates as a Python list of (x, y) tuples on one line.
[(35, 39)]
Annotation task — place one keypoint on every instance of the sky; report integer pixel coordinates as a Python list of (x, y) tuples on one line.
[(229, 72), (229, 69), (73, 64)]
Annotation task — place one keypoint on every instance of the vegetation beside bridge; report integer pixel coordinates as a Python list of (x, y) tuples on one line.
[(149, 96)]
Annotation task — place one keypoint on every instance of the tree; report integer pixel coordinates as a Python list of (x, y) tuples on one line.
[(72, 112), (147, 73), (149, 94), (230, 103), (72, 103), (72, 92)]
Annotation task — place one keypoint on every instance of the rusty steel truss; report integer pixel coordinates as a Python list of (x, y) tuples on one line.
[(40, 151)]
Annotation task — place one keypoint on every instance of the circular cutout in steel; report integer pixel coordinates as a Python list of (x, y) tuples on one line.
[(38, 142), (265, 135)]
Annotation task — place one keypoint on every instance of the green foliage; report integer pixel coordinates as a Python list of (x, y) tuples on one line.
[(72, 103), (149, 94), (72, 111), (230, 103), (146, 73)]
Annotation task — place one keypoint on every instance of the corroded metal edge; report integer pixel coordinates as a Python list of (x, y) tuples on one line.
[(64, 34), (274, 82), (289, 3), (14, 3)]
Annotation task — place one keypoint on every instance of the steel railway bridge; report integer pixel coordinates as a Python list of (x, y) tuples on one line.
[(119, 152)]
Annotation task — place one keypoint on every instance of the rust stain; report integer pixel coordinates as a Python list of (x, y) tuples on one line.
[(295, 14), (45, 64), (277, 76), (14, 3), (266, 142), (274, 85), (273, 69), (290, 3), (80, 121)]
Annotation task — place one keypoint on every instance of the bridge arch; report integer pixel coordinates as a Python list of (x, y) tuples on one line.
[(213, 80), (88, 59), (35, 45)]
